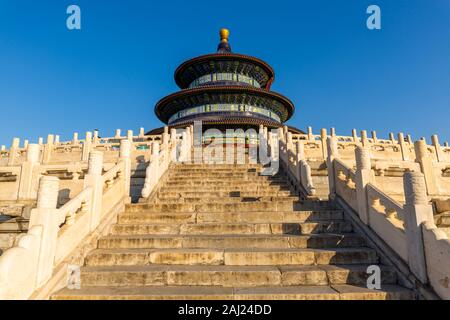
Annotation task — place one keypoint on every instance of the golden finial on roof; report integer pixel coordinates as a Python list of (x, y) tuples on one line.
[(224, 34)]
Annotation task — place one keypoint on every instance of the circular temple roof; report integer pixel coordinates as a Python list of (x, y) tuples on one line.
[(225, 78), (224, 62), (187, 98)]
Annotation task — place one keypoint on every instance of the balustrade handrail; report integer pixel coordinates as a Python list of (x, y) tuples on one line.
[(76, 203), (341, 166), (386, 200), (111, 173)]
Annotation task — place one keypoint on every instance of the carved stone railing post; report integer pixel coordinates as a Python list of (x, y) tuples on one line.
[(48, 148), (262, 148), (332, 133), (191, 134), (333, 153), (374, 137), (282, 145), (437, 148), (290, 153), (165, 136), (75, 138), (87, 146), (130, 135), (125, 156), (417, 211), (45, 215), (173, 144), (409, 139), (94, 179), (300, 155), (27, 172), (141, 132), (183, 148), (355, 136), (403, 147), (323, 141), (187, 146), (426, 166), (165, 146), (275, 145), (152, 171), (392, 137), (364, 175), (118, 134), (289, 139), (364, 140), (96, 138), (13, 151), (310, 134), (306, 178)]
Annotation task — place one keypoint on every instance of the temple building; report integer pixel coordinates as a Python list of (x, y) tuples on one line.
[(146, 216), (225, 90)]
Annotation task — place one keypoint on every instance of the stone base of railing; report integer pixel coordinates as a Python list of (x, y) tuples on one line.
[(59, 277), (296, 185), (161, 181), (387, 255)]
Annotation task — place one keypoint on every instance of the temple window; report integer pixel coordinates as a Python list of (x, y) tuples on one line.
[(225, 107), (223, 76)]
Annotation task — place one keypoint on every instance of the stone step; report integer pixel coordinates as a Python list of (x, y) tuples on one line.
[(241, 257), (225, 182), (209, 200), (231, 241), (272, 206), (213, 178), (334, 292), (18, 224), (213, 174), (208, 170), (322, 189), (218, 194), (157, 217), (445, 219), (225, 174), (230, 276), (230, 217), (209, 167), (234, 228), (225, 188)]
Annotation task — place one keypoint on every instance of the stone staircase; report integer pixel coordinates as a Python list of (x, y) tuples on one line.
[(225, 232)]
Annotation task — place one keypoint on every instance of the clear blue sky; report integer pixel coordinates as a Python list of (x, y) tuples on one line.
[(111, 73)]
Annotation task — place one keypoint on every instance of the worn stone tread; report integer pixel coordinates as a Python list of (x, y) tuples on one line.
[(314, 227), (328, 240), (230, 256), (215, 292), (225, 275)]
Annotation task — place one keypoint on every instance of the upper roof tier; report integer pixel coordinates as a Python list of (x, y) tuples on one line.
[(224, 62)]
